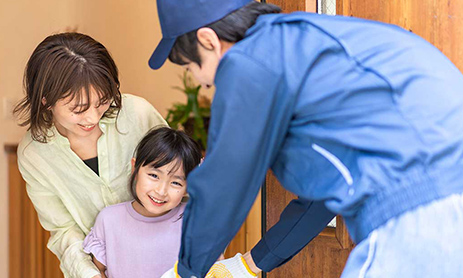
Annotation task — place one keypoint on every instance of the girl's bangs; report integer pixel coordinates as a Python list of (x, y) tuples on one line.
[(164, 159)]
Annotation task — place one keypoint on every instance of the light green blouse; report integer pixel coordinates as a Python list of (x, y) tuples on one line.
[(68, 195)]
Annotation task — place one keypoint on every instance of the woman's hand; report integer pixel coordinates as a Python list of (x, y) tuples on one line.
[(101, 267), (99, 276)]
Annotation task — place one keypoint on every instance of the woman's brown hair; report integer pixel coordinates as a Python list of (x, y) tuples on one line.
[(63, 65)]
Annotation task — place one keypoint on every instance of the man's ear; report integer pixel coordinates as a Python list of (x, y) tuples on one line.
[(132, 161), (208, 39)]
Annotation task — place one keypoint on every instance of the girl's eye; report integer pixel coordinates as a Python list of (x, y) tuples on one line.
[(177, 183), (153, 175)]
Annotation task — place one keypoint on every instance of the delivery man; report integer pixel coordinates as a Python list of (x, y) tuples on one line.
[(356, 117)]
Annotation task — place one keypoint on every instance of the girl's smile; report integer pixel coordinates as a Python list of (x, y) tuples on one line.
[(159, 189), (157, 202)]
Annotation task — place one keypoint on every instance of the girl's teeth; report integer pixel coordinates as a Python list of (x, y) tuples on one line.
[(157, 201)]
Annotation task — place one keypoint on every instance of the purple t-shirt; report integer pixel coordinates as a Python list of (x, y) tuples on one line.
[(132, 245)]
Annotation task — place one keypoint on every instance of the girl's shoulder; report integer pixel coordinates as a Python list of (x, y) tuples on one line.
[(113, 212), (114, 208)]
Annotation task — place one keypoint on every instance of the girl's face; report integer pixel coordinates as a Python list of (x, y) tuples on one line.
[(71, 121), (159, 189)]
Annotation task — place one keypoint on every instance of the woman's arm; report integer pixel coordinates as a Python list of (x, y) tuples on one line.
[(66, 236), (100, 266)]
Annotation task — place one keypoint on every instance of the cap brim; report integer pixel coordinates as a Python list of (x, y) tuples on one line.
[(161, 53)]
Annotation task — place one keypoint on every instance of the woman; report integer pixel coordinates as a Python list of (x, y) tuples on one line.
[(75, 157)]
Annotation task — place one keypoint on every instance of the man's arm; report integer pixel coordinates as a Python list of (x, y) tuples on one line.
[(299, 223), (249, 121)]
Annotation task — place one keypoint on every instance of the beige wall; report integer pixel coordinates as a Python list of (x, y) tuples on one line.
[(128, 28)]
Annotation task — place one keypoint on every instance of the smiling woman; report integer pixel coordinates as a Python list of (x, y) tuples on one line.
[(78, 122), (80, 130)]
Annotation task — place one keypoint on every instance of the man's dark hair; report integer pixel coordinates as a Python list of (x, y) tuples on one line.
[(230, 28)]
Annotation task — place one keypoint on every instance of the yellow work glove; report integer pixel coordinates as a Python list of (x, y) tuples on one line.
[(235, 267), (171, 273)]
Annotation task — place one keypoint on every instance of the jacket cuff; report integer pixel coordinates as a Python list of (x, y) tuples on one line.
[(264, 258), (185, 272)]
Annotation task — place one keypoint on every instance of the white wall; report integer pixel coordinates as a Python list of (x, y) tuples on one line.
[(128, 28)]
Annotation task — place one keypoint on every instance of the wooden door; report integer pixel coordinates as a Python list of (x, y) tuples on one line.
[(28, 253), (438, 22)]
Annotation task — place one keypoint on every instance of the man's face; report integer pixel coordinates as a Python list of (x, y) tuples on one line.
[(205, 73)]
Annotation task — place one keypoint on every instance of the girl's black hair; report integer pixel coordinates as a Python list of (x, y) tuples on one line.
[(230, 28), (161, 146)]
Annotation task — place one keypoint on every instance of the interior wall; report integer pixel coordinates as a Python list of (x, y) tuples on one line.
[(130, 31), (22, 24)]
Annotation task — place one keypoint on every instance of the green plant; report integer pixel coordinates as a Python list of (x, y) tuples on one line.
[(190, 116)]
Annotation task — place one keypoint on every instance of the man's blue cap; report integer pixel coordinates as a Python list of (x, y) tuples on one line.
[(179, 17)]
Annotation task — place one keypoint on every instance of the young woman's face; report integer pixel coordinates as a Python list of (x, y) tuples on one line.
[(159, 189), (71, 121)]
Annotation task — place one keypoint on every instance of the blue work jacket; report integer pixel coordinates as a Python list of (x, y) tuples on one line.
[(356, 117)]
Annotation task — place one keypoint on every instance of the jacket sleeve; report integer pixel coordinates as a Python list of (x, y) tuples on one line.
[(65, 235), (249, 120), (299, 223)]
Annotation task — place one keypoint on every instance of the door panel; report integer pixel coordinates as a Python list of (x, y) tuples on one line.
[(438, 22)]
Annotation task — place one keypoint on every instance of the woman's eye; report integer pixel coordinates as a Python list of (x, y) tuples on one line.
[(78, 112), (103, 103)]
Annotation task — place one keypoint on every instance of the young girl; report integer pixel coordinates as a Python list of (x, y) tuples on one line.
[(141, 238), (81, 129)]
